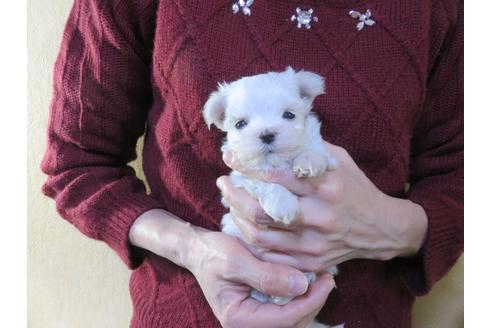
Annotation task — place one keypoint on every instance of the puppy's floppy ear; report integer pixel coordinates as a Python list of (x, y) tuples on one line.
[(310, 85), (214, 109)]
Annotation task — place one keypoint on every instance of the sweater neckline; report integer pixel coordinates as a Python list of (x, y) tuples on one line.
[(334, 3)]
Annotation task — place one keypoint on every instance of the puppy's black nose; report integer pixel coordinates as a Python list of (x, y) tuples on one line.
[(267, 138)]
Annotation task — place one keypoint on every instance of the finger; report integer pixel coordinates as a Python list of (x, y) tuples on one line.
[(342, 156), (337, 151), (284, 177), (332, 148), (303, 262), (271, 315), (334, 261), (281, 258), (294, 260), (282, 240), (263, 221), (245, 206), (311, 316), (301, 187), (272, 279), (318, 214), (231, 161), (312, 301), (318, 291)]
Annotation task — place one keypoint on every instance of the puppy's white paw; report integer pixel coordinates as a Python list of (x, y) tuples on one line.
[(279, 300), (333, 270), (229, 226), (259, 296), (302, 172), (309, 164), (280, 204), (311, 277)]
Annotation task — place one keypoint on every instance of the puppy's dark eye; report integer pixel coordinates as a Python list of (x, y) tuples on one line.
[(288, 115), (241, 124)]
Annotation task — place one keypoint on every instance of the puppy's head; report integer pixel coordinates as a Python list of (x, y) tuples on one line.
[(264, 115)]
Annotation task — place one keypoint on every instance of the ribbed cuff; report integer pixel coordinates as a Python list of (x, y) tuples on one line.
[(442, 246), (120, 215)]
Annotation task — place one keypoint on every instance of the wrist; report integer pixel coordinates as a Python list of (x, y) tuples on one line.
[(197, 249), (418, 225), (410, 228), (163, 234)]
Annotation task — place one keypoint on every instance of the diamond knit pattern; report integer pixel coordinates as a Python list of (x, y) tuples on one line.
[(394, 100)]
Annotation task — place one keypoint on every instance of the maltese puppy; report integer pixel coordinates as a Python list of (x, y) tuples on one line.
[(270, 126)]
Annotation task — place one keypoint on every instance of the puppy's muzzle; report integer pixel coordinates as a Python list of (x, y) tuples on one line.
[(267, 138)]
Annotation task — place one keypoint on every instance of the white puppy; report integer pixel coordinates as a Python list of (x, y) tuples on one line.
[(269, 126)]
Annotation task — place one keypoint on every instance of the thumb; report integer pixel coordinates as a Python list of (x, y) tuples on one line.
[(274, 279)]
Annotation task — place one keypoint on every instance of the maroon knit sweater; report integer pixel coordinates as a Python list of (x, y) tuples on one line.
[(394, 100)]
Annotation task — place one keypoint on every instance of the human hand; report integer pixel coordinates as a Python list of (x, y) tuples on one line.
[(343, 216), (226, 271)]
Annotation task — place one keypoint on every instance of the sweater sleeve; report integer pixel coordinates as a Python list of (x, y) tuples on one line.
[(102, 92), (437, 166)]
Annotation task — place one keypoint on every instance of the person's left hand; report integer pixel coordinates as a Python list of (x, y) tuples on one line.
[(343, 216)]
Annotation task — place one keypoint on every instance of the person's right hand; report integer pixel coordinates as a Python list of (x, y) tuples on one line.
[(226, 271)]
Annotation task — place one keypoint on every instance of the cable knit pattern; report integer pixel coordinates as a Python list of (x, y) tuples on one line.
[(394, 100)]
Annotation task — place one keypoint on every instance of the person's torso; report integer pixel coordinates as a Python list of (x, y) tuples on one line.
[(375, 82)]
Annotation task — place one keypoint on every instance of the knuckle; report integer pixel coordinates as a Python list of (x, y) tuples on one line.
[(256, 237), (337, 188), (267, 279), (334, 190)]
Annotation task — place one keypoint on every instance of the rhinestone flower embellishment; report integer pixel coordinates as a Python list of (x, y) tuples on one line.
[(243, 5), (364, 19), (304, 18)]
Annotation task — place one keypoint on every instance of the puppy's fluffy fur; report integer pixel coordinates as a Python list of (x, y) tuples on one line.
[(269, 126)]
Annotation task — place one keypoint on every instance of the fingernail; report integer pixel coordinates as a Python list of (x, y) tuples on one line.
[(220, 183), (297, 284), (331, 279), (228, 157)]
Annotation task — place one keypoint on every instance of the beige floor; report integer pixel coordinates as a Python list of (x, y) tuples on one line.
[(76, 282)]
